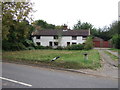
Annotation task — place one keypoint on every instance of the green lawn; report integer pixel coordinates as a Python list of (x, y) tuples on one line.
[(69, 59)]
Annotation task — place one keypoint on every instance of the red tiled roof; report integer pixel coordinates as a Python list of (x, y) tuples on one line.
[(61, 32)]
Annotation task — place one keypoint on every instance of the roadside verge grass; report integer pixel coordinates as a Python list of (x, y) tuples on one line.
[(115, 58), (115, 50), (73, 59)]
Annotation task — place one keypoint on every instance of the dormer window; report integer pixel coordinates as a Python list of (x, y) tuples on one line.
[(55, 37), (37, 37)]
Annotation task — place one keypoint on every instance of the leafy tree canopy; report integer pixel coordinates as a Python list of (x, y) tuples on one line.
[(15, 22), (41, 25)]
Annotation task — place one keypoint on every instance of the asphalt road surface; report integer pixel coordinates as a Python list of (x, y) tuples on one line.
[(23, 76)]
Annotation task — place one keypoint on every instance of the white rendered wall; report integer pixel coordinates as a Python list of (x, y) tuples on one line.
[(80, 40), (64, 40), (44, 40)]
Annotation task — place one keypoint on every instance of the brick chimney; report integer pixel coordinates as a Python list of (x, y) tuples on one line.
[(65, 27)]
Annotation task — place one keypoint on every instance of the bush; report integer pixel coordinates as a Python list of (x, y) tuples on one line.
[(116, 41), (43, 47), (88, 43), (48, 47), (28, 43), (59, 48), (75, 47), (39, 47), (7, 46), (30, 48)]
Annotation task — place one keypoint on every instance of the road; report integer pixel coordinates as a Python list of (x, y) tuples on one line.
[(23, 76)]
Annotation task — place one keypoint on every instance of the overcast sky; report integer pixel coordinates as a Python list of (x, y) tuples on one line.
[(97, 12)]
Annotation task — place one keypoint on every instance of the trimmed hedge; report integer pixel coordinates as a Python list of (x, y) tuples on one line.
[(75, 47), (43, 47)]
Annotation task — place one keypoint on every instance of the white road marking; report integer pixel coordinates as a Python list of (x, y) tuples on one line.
[(25, 84)]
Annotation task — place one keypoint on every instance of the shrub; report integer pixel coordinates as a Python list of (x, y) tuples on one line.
[(48, 47), (30, 48), (43, 47), (75, 47), (28, 43), (59, 48), (12, 46), (88, 43), (39, 47), (116, 41)]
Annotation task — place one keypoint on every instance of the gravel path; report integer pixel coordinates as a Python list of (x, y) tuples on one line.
[(107, 58), (109, 67)]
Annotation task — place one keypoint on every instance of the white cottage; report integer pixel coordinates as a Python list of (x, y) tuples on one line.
[(61, 38)]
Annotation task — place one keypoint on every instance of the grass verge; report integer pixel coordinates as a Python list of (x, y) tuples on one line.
[(73, 59), (115, 50), (112, 56)]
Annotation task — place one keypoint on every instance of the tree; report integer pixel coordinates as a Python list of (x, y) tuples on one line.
[(41, 24), (15, 23), (88, 43), (116, 41), (59, 27), (86, 26), (107, 33), (78, 25), (113, 29)]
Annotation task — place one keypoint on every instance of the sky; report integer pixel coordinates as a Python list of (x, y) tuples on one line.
[(99, 13)]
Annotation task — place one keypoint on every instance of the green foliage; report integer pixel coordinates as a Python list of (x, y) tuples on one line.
[(88, 43), (12, 47), (59, 27), (28, 43), (75, 47), (41, 24), (59, 48), (30, 48), (43, 47), (116, 41), (15, 22), (84, 25), (105, 33)]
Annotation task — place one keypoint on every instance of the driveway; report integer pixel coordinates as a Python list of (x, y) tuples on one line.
[(114, 53)]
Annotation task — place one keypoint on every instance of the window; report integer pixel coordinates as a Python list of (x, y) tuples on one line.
[(68, 43), (73, 43), (74, 37), (55, 37), (37, 37), (55, 43), (50, 44), (38, 43), (84, 38)]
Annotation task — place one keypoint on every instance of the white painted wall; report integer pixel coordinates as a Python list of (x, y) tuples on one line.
[(65, 39), (44, 40), (80, 40), (62, 40)]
